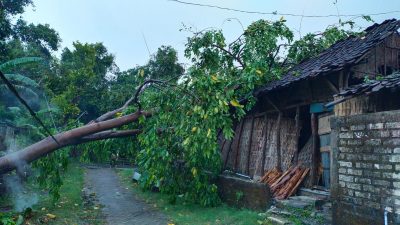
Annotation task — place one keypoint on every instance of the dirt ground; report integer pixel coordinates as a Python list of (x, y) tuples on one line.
[(120, 206)]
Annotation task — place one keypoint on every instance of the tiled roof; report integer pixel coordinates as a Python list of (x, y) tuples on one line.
[(338, 56), (388, 82)]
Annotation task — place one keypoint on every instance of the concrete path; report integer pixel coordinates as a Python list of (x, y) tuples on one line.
[(120, 206)]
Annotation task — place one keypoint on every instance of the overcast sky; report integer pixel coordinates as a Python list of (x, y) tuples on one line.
[(122, 24)]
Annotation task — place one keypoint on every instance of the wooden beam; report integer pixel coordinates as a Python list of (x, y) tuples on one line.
[(249, 147), (314, 148), (238, 144), (331, 85), (278, 142), (272, 103), (290, 107)]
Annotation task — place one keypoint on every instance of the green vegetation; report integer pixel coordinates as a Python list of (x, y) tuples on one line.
[(193, 214)]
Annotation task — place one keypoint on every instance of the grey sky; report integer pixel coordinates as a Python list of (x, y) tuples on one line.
[(119, 24)]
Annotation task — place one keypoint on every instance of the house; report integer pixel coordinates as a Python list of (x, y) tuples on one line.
[(296, 118)]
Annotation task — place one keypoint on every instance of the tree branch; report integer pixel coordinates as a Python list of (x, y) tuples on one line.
[(109, 134), (237, 58)]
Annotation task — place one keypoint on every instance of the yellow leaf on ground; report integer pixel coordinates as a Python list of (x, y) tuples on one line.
[(51, 216)]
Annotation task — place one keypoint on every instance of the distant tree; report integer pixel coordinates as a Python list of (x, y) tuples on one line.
[(314, 43), (164, 64), (81, 80)]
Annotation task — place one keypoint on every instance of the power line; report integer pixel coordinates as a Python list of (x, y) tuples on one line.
[(282, 14)]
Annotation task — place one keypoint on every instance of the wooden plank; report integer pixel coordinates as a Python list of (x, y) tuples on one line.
[(315, 148), (238, 145), (298, 182), (278, 142), (249, 146)]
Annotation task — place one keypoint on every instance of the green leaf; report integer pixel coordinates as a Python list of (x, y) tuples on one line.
[(18, 78), (19, 61)]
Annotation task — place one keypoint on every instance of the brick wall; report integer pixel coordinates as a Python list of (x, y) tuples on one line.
[(365, 168)]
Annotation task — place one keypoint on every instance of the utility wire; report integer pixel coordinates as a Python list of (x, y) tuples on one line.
[(145, 42), (23, 102), (282, 14)]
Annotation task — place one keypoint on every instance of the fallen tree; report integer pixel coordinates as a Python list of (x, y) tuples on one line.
[(90, 132), (98, 129)]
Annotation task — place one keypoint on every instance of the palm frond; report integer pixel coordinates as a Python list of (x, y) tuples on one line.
[(14, 109), (21, 79), (19, 61), (21, 89), (43, 111)]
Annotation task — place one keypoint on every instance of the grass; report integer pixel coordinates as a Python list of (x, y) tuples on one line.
[(71, 208), (181, 213)]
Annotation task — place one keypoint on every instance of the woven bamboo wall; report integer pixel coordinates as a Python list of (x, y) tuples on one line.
[(355, 106), (262, 137)]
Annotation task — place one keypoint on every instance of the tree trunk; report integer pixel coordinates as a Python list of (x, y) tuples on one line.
[(78, 135)]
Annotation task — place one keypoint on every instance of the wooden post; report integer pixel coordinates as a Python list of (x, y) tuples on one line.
[(340, 82), (222, 148), (238, 144), (265, 145), (297, 119), (376, 56), (278, 142), (346, 80), (227, 155), (249, 147), (314, 148), (384, 58)]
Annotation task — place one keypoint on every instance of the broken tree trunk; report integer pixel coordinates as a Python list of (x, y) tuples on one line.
[(75, 136)]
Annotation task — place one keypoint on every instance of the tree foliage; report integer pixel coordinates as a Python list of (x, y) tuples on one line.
[(81, 81), (184, 160)]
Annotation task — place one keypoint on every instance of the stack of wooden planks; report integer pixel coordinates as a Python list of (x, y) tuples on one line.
[(270, 176), (284, 185)]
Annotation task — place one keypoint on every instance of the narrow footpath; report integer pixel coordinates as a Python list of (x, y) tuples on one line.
[(120, 206)]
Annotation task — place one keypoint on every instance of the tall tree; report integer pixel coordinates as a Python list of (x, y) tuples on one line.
[(81, 82)]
